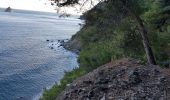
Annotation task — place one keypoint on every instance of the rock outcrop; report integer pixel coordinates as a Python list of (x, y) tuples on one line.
[(73, 45), (121, 80), (8, 9)]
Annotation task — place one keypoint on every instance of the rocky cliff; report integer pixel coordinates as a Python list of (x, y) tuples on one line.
[(125, 79)]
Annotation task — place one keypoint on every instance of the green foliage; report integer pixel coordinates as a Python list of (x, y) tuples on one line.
[(112, 33), (97, 54), (131, 39), (52, 93), (157, 20)]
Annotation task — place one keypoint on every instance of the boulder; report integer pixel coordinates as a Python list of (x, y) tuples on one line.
[(124, 79)]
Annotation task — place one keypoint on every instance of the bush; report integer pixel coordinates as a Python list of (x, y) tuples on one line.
[(52, 93)]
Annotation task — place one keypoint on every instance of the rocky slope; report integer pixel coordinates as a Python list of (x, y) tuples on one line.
[(125, 79)]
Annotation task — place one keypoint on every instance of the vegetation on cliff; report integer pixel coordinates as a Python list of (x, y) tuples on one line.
[(110, 33)]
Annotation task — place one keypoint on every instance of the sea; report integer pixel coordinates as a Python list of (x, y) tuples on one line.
[(31, 58)]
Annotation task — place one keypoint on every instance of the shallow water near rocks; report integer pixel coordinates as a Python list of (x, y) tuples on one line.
[(28, 62)]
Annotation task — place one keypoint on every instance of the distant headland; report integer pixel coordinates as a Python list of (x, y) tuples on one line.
[(9, 9)]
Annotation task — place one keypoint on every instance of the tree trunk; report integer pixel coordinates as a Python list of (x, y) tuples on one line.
[(143, 31), (146, 43)]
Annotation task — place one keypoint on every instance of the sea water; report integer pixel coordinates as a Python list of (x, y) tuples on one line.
[(31, 59)]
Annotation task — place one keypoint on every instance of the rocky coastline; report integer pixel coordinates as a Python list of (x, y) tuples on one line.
[(73, 45)]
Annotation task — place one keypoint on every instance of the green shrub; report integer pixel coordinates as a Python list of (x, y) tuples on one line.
[(69, 77)]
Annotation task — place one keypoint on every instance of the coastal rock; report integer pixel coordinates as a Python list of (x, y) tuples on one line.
[(8, 9), (121, 80), (73, 44)]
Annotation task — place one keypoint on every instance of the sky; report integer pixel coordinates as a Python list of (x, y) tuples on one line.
[(42, 5), (36, 5)]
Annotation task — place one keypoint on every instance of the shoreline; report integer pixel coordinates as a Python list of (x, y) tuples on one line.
[(68, 78), (64, 43)]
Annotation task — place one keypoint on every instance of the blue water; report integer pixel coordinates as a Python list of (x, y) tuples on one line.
[(27, 62)]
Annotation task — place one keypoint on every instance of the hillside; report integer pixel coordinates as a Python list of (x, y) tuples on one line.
[(114, 34), (109, 34)]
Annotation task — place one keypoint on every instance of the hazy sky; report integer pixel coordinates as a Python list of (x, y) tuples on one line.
[(42, 5), (38, 5)]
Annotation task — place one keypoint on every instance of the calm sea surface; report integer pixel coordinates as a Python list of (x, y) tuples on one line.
[(29, 63)]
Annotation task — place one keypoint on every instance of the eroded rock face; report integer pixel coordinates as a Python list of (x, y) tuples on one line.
[(121, 80)]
